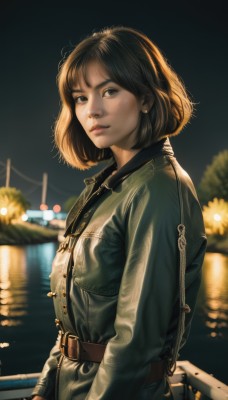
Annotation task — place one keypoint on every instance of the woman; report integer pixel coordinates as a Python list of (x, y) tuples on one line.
[(118, 280)]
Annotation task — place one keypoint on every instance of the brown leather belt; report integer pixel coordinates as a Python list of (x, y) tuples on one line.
[(76, 350)]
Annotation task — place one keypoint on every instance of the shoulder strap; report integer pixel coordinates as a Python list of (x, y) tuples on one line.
[(183, 307)]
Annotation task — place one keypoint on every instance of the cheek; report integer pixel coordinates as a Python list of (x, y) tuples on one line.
[(131, 108), (79, 116), (77, 113), (130, 115)]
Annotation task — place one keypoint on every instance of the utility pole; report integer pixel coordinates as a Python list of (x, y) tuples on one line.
[(44, 188), (8, 166)]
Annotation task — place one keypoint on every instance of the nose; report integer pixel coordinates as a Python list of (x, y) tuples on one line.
[(95, 109)]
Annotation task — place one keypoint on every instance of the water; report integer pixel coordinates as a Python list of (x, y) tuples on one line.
[(27, 329)]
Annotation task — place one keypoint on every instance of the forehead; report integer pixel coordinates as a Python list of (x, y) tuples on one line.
[(90, 75)]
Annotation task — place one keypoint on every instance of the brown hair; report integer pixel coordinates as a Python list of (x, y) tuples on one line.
[(134, 62)]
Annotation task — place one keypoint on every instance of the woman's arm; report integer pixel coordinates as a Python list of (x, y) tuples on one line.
[(45, 386), (148, 292)]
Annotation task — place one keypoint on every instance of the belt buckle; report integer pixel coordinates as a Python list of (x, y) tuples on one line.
[(64, 345), (78, 348)]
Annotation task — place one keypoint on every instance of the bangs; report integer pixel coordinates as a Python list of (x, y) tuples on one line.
[(112, 61)]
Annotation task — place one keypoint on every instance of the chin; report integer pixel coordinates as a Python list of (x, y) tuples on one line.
[(102, 145)]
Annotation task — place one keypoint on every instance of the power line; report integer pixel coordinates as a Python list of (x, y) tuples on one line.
[(35, 182), (25, 177), (59, 191), (27, 193)]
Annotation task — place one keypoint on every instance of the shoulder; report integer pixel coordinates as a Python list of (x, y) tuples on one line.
[(156, 183), (155, 175)]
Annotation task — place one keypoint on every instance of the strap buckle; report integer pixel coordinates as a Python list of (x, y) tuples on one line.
[(71, 352)]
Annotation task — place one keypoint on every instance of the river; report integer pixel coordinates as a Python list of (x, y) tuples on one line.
[(27, 329)]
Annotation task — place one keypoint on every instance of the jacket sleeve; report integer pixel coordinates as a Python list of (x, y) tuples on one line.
[(148, 293), (45, 386)]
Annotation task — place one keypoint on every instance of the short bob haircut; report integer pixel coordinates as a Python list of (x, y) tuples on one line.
[(134, 62)]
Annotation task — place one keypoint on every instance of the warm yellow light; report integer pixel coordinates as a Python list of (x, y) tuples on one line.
[(4, 344), (3, 211), (24, 217), (217, 217), (215, 278)]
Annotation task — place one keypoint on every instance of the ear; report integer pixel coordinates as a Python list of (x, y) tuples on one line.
[(147, 102)]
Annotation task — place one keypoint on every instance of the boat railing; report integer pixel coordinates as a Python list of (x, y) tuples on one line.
[(188, 383)]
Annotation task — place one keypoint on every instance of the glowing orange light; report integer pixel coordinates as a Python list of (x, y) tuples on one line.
[(57, 208), (43, 207)]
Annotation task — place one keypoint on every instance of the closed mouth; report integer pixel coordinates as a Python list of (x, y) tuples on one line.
[(97, 127)]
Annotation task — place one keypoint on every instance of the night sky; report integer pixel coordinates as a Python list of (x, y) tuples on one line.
[(34, 36)]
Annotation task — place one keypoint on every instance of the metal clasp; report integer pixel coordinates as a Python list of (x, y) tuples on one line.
[(63, 345)]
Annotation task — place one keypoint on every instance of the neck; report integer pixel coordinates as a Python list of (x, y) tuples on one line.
[(122, 156)]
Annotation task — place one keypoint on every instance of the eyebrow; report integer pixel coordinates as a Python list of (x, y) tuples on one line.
[(99, 86)]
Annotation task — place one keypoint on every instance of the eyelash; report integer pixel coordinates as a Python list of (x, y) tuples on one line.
[(111, 90), (76, 99), (81, 99)]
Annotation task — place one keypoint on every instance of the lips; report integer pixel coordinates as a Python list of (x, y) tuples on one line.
[(98, 127)]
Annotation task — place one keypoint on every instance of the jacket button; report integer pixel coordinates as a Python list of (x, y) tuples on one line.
[(64, 275), (57, 322), (64, 294), (51, 294)]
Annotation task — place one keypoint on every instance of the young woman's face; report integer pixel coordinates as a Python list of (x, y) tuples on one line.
[(108, 113)]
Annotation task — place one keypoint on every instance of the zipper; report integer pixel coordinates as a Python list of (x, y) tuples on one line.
[(57, 376)]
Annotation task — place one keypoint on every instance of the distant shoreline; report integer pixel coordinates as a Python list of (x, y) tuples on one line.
[(26, 233), (217, 244)]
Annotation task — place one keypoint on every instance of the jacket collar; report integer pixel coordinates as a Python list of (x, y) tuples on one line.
[(106, 181), (163, 147)]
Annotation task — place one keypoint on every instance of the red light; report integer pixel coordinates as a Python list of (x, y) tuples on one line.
[(43, 207), (56, 208)]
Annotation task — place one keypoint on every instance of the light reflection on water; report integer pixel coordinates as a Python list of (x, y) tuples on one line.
[(214, 294), (24, 278), (13, 285)]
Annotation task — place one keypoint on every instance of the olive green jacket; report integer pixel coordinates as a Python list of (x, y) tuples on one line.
[(123, 288)]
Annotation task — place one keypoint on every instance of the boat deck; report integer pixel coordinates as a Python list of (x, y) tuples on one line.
[(187, 383)]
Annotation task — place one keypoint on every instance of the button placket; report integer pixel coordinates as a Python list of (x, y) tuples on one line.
[(63, 291)]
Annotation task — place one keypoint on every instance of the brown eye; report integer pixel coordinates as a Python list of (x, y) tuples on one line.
[(79, 99), (110, 92)]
